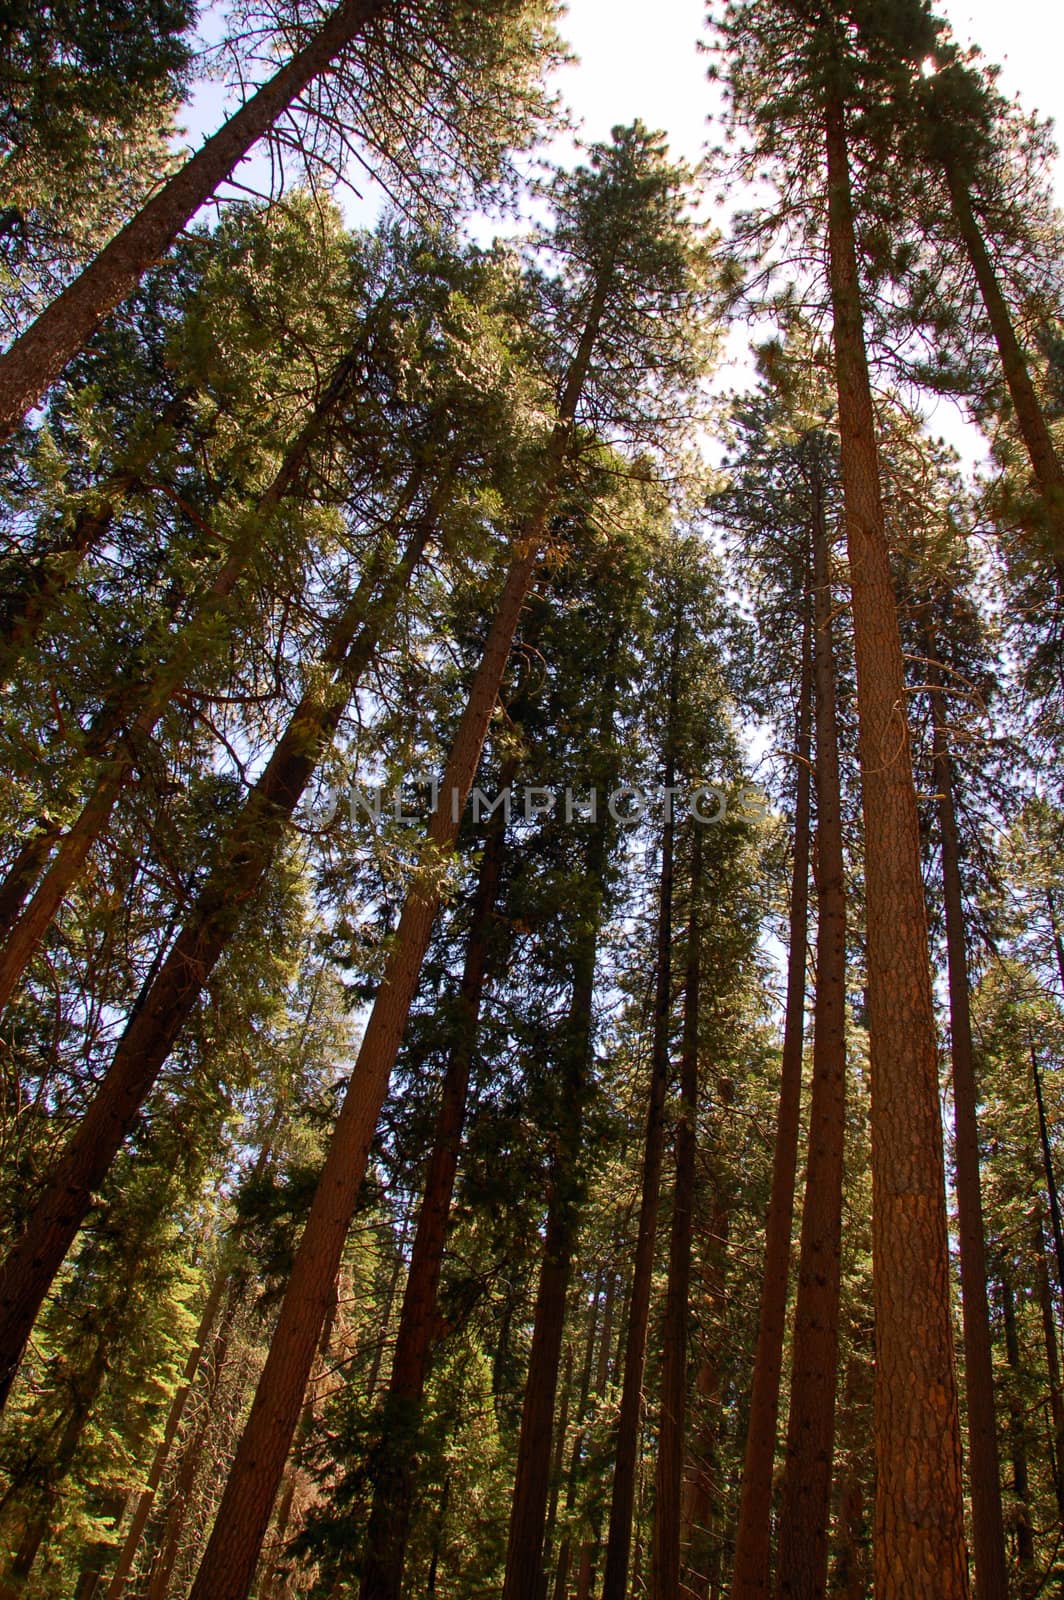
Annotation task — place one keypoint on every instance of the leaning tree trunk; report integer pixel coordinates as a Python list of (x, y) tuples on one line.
[(164, 1008), (919, 1518), (394, 1462), (276, 1576), (665, 1542), (750, 1575), (39, 355), (1045, 463), (988, 1527), (136, 709), (229, 1560), (618, 1542), (802, 1563)]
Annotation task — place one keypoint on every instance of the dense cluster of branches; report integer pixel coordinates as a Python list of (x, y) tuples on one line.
[(465, 858)]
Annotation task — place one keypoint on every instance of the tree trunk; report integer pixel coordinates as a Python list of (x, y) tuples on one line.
[(166, 1004), (146, 1498), (38, 356), (1052, 1193), (802, 1564), (38, 1525), (24, 871), (704, 1511), (589, 1550), (1034, 430), (394, 1464), (920, 1545), (750, 1577), (988, 1527), (665, 1542), (229, 1560), (560, 1433), (525, 1579), (1049, 1336), (561, 1576), (137, 708), (156, 1585), (276, 1575), (1017, 1433), (618, 1541)]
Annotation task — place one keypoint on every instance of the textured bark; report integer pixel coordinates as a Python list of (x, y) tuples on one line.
[(230, 1557), (136, 708), (394, 1464), (750, 1576), (275, 1578), (919, 1518), (988, 1527), (163, 1009), (802, 1562), (618, 1541), (525, 1578), (668, 1499), (24, 872), (851, 1579), (1017, 1433), (1034, 430), (39, 355), (229, 1561), (146, 1498)]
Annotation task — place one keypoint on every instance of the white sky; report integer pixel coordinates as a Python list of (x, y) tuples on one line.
[(640, 60), (637, 60)]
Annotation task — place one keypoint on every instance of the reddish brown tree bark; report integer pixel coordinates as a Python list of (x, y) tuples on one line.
[(229, 1561), (156, 1021), (920, 1544), (395, 1459), (136, 709), (802, 1563), (39, 355)]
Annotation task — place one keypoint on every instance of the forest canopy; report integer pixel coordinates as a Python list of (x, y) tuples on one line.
[(532, 865)]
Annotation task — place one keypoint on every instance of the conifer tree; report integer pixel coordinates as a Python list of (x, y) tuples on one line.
[(777, 66), (473, 89)]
